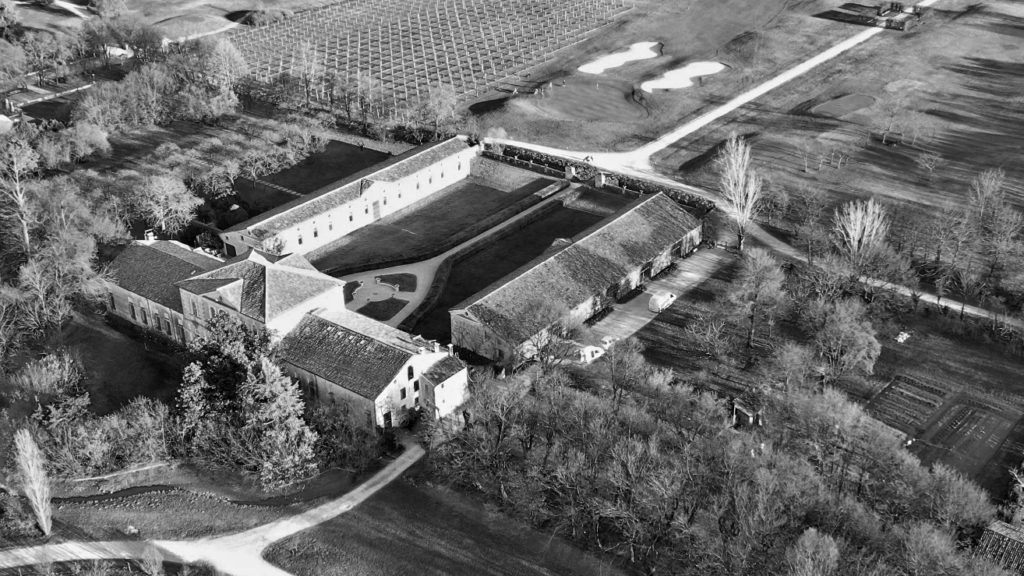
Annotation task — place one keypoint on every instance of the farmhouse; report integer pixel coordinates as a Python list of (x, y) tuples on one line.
[(259, 290), (381, 373), (330, 213), (579, 276), (144, 291), (386, 373)]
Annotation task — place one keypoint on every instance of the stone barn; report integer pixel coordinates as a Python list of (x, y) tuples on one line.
[(578, 276)]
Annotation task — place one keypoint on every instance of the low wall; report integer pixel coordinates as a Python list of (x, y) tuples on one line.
[(498, 175)]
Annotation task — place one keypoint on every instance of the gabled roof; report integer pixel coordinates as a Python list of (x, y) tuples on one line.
[(571, 273), (444, 369), (354, 361), (271, 285), (348, 189), (150, 269)]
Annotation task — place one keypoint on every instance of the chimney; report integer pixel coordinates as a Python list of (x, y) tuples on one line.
[(421, 350), (451, 350), (437, 347)]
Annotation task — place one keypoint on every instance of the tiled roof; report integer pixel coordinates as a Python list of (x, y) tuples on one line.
[(597, 259), (270, 285), (150, 269), (444, 369), (354, 361), (348, 189)]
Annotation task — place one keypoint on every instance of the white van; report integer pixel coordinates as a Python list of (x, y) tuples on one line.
[(660, 301)]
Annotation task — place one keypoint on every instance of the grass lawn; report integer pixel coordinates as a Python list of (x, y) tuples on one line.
[(118, 366), (109, 568), (383, 310), (337, 161), (171, 514), (416, 529), (755, 40), (406, 282), (447, 216), (506, 254), (349, 289)]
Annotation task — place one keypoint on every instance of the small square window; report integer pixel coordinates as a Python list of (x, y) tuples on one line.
[(401, 393), (316, 233), (300, 240), (349, 217)]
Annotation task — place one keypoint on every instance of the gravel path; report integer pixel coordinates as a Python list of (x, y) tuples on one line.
[(233, 555)]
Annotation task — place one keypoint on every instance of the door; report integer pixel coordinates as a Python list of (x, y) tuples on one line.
[(387, 419), (376, 210)]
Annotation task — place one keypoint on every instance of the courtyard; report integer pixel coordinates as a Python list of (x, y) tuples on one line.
[(433, 225)]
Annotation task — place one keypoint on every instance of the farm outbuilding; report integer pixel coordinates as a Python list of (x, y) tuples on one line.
[(380, 373), (1004, 544), (319, 218), (580, 276)]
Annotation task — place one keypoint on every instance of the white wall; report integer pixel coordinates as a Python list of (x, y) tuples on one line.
[(342, 220), (121, 303)]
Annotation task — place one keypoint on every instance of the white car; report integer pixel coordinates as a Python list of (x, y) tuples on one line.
[(660, 301)]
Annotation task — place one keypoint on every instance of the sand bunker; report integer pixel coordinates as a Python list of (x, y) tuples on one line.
[(682, 77), (638, 51)]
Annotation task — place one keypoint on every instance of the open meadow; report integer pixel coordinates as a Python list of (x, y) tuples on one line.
[(913, 115)]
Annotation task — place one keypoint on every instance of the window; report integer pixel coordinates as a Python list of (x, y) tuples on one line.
[(416, 386), (194, 311), (315, 233), (411, 373), (401, 393), (417, 184), (131, 309), (460, 165), (330, 226), (366, 210), (416, 402), (300, 239), (145, 320), (113, 305), (349, 217), (385, 200), (209, 310)]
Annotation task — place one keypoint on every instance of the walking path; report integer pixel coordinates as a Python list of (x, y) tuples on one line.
[(233, 555), (424, 270)]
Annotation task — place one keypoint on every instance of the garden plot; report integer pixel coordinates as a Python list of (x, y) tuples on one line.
[(410, 45), (908, 403)]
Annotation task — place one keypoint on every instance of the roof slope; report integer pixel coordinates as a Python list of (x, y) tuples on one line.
[(270, 285), (356, 362), (348, 189), (444, 369), (569, 276), (150, 269)]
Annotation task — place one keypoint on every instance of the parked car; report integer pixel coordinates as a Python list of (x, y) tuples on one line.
[(660, 301)]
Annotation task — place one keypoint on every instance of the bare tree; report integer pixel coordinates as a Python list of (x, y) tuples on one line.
[(929, 161), (813, 554), (758, 291), (34, 481), (860, 230), (739, 184), (17, 161)]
